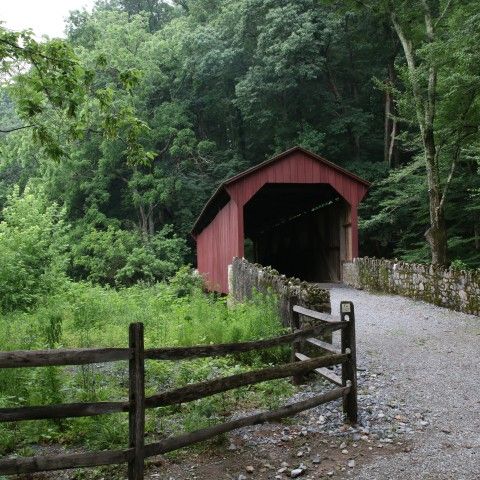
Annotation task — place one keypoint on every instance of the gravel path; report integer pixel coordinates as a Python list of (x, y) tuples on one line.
[(428, 359)]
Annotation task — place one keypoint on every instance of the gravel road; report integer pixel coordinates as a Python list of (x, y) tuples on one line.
[(429, 359)]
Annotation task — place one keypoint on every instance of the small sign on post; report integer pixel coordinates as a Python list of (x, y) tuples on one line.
[(346, 307)]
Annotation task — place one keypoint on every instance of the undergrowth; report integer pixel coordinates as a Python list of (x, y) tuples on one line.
[(174, 314)]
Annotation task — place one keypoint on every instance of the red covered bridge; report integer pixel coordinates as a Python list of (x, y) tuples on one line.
[(296, 212)]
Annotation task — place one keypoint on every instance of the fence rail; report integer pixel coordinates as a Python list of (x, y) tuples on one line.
[(137, 402), (349, 368), (62, 357)]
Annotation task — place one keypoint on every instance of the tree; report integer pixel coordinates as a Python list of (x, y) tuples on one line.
[(425, 100), (211, 88), (424, 33), (47, 74)]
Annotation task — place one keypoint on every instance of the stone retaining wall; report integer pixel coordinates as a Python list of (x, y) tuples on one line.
[(245, 278), (455, 289)]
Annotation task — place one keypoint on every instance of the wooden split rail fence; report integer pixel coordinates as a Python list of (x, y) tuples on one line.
[(136, 355)]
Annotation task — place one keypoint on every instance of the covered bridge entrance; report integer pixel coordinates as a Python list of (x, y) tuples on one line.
[(296, 212)]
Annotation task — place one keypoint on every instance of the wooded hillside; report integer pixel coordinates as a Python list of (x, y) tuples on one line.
[(129, 124)]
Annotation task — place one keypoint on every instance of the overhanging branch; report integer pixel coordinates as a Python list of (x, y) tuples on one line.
[(15, 129)]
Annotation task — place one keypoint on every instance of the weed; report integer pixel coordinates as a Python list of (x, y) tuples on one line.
[(178, 313)]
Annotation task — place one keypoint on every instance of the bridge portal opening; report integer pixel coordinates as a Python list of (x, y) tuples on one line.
[(301, 230)]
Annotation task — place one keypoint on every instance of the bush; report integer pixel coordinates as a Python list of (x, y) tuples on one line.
[(118, 257), (33, 250), (186, 281)]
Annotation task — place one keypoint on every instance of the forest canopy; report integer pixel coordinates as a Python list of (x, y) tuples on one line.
[(114, 138)]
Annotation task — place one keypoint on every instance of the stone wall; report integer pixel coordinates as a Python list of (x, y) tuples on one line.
[(455, 289), (245, 278)]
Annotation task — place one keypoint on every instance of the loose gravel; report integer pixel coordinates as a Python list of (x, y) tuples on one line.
[(424, 361), (419, 406)]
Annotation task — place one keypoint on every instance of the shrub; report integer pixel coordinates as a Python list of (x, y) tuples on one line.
[(84, 315), (118, 257), (33, 250), (186, 281)]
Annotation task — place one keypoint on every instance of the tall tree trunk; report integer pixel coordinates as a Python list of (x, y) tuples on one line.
[(146, 220), (436, 234), (393, 150), (390, 125), (386, 129), (143, 221), (151, 222)]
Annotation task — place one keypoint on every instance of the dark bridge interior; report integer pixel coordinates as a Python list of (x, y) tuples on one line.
[(298, 229)]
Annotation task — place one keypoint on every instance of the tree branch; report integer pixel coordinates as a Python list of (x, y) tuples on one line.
[(450, 175), (442, 15), (29, 52), (14, 129), (412, 69), (432, 71), (428, 20), (456, 157)]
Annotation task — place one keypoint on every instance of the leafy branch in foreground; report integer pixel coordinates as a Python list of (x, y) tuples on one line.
[(52, 90)]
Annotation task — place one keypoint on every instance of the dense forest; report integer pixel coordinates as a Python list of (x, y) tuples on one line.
[(113, 139)]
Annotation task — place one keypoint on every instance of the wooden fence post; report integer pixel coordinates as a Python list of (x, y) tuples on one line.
[(136, 418), (349, 369), (297, 346)]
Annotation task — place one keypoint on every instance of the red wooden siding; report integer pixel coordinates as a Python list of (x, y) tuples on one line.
[(223, 238), (217, 244), (297, 168)]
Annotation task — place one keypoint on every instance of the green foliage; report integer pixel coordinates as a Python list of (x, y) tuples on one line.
[(399, 209), (33, 246), (151, 104), (185, 282), (86, 316), (56, 76), (459, 265), (120, 257)]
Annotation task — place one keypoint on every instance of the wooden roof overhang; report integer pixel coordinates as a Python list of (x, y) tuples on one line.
[(291, 203)]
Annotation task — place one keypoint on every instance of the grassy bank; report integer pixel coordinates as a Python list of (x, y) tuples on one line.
[(83, 315)]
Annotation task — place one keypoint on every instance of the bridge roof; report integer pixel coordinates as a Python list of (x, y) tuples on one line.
[(221, 196)]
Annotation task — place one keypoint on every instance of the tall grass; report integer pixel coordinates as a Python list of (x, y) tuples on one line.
[(83, 315)]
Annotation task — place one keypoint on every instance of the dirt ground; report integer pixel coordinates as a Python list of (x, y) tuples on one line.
[(320, 454)]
